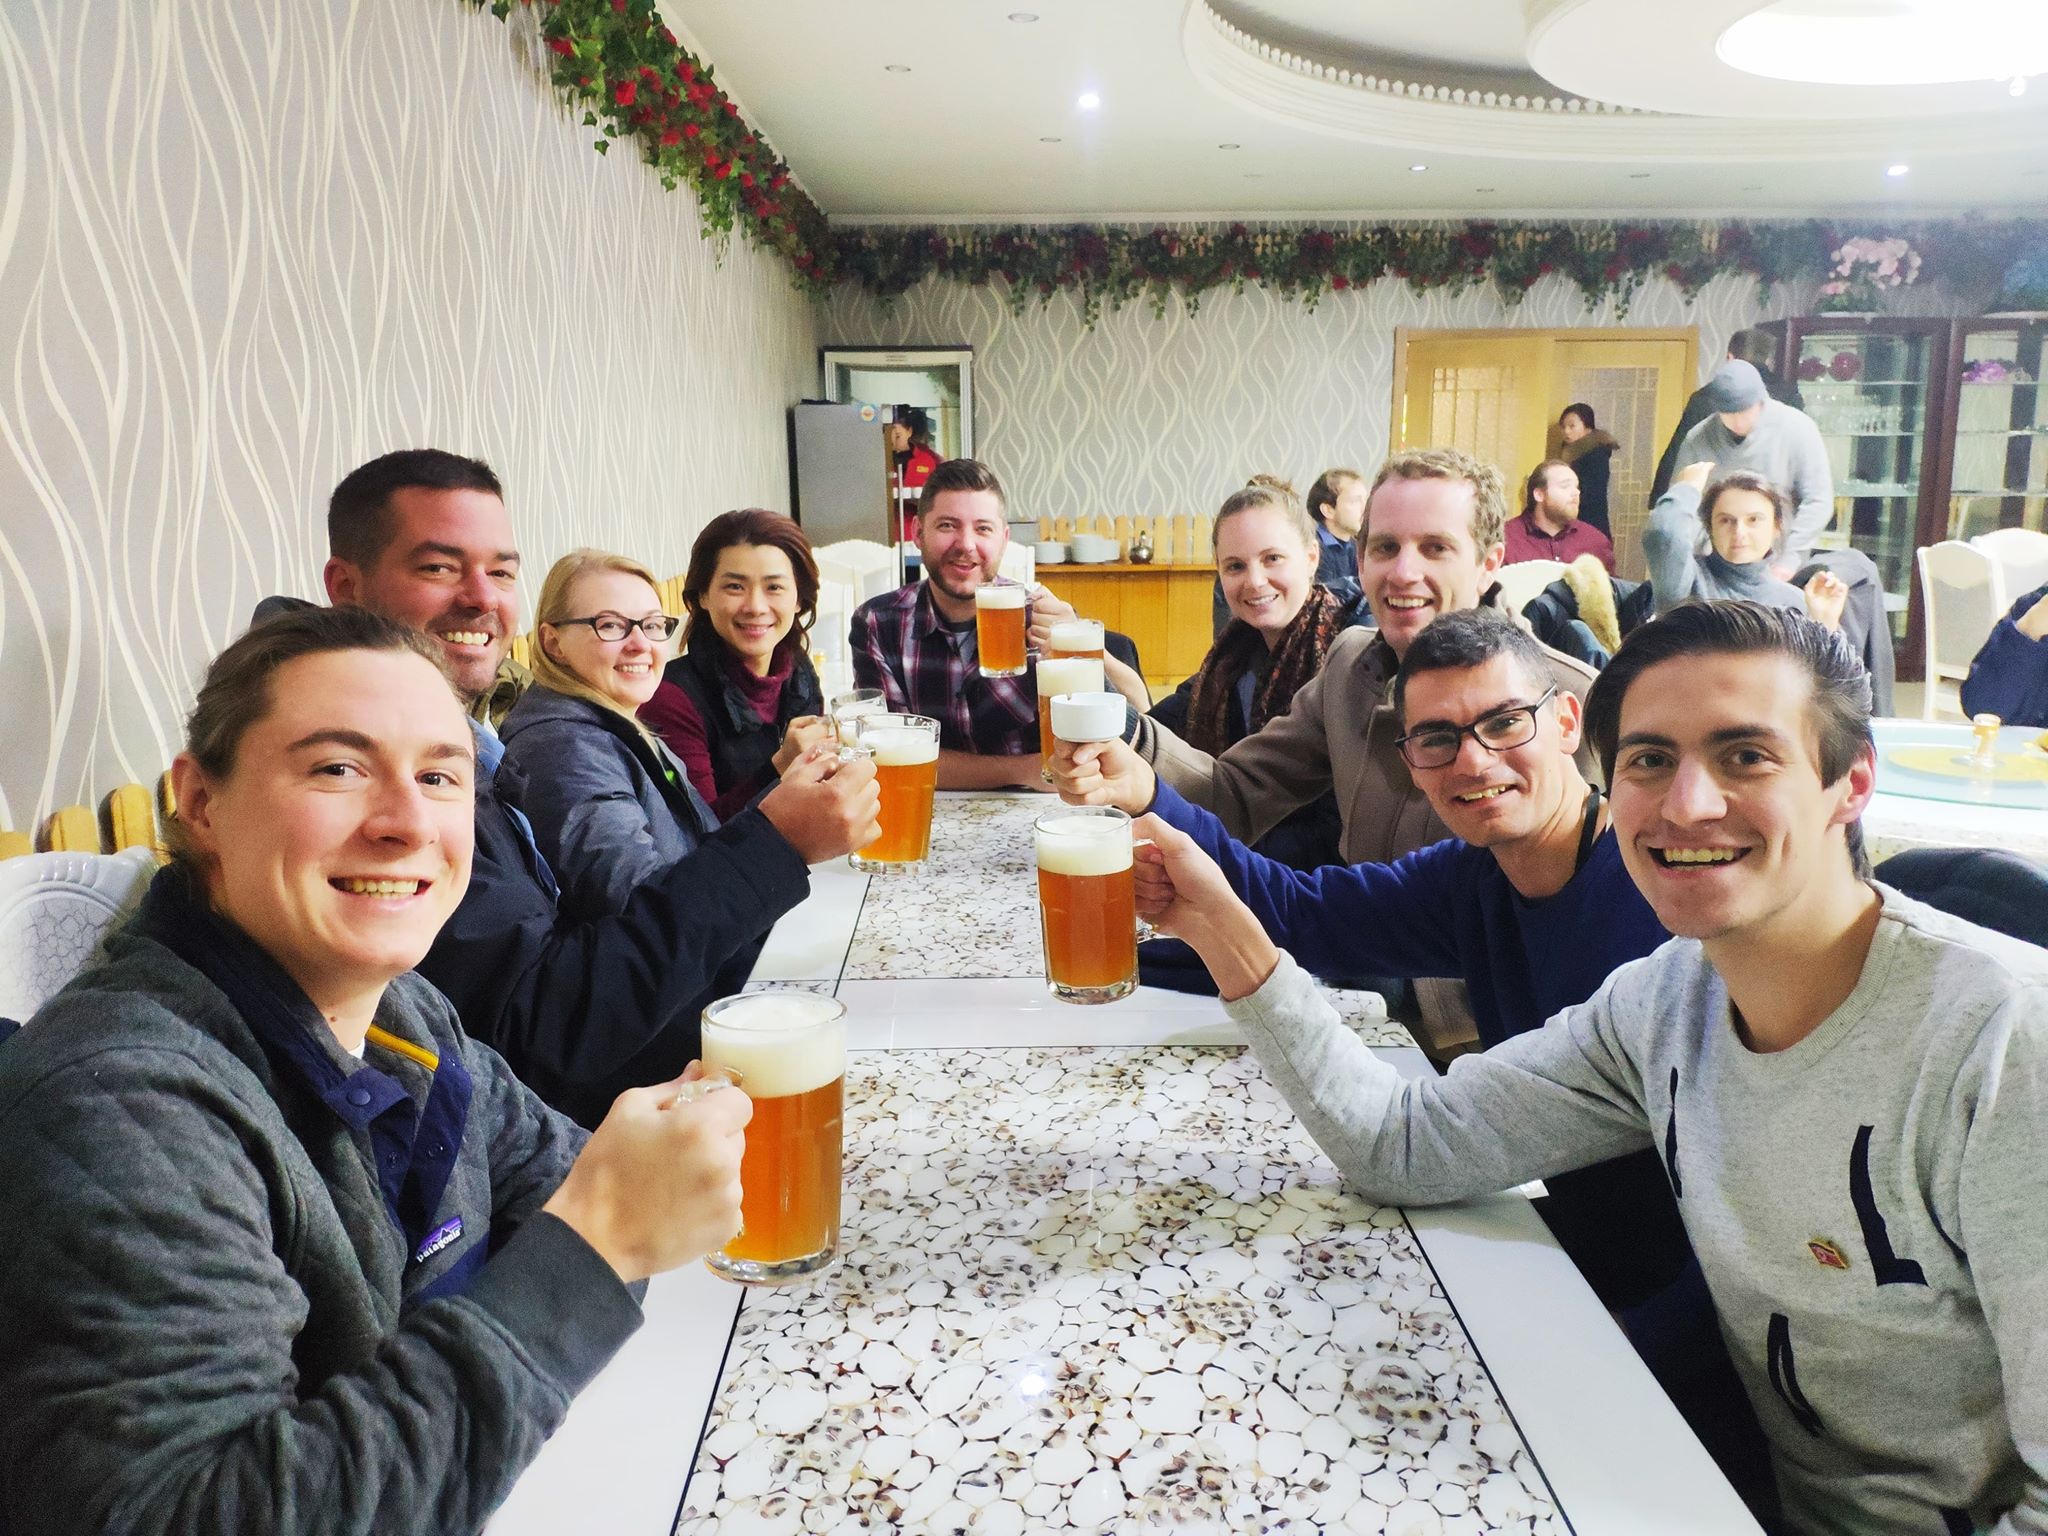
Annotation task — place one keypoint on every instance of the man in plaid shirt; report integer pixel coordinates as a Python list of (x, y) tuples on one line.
[(917, 643)]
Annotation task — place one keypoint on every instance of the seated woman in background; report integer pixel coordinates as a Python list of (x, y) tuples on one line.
[(287, 1250), (742, 701), (609, 803), (1590, 452), (1743, 514), (1281, 626)]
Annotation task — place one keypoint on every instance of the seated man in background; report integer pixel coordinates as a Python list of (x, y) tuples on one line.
[(1430, 545), (1748, 430), (918, 644), (1849, 1089), (287, 1251), (582, 1009), (2009, 676), (1549, 527), (1337, 502)]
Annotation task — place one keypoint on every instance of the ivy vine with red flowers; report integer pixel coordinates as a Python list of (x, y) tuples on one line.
[(618, 63)]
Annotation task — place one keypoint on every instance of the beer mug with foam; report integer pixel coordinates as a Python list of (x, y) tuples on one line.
[(1087, 903), (1076, 637), (905, 752), (999, 628), (1058, 675), (848, 707), (788, 1051)]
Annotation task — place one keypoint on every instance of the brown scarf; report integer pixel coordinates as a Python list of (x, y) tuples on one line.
[(1297, 658)]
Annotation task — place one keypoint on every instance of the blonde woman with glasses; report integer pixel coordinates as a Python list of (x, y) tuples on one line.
[(610, 805)]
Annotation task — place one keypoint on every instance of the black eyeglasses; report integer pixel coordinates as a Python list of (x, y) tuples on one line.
[(1436, 746), (616, 626)]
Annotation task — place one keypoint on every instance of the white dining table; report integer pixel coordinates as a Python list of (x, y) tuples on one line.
[(1913, 809), (1096, 1278)]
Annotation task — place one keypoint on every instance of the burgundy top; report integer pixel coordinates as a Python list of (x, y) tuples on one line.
[(672, 715), (1528, 542)]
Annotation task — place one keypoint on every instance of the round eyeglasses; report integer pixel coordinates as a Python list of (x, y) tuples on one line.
[(616, 626), (1500, 730)]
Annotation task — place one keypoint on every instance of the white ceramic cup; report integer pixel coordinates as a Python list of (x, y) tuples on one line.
[(1088, 716)]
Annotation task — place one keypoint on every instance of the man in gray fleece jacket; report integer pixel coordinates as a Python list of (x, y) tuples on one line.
[(1849, 1089), (1749, 430)]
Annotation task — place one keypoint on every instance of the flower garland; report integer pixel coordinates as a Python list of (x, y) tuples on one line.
[(616, 61)]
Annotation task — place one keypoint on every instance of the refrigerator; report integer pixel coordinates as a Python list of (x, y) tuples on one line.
[(839, 474)]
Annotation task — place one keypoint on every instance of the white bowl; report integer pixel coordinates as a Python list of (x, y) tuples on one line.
[(1092, 549), (1049, 552)]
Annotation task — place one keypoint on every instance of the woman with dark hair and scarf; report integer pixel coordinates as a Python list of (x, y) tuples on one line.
[(1282, 622)]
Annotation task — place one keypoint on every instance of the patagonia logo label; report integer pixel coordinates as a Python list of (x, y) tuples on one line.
[(438, 1239)]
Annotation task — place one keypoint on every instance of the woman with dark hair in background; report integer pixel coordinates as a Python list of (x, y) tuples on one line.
[(911, 460), (1590, 452), (742, 701)]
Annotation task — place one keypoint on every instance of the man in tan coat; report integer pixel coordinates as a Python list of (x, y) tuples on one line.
[(1433, 537)]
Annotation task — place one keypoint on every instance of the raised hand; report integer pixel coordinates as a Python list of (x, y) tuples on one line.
[(1103, 773), (825, 806)]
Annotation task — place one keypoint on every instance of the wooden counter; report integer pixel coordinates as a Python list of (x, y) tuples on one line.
[(1164, 608)]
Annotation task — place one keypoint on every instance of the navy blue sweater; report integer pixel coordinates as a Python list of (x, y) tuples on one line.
[(1444, 910), (2009, 677)]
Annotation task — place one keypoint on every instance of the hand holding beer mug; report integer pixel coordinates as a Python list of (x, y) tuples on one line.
[(999, 628), (787, 1050), (905, 752), (1056, 676), (1087, 908)]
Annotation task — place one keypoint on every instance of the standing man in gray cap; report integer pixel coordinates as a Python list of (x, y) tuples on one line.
[(1749, 430)]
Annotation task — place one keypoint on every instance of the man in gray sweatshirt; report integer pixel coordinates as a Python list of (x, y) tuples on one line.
[(1849, 1089), (1749, 430)]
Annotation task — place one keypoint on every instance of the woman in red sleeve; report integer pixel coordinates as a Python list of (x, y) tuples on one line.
[(742, 700)]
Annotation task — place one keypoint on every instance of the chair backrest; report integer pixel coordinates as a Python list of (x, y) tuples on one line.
[(1986, 886), (2022, 557), (1019, 562), (1522, 582), (54, 910), (870, 569), (1963, 593)]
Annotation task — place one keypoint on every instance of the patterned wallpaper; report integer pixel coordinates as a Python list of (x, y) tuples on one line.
[(247, 244), (1153, 414)]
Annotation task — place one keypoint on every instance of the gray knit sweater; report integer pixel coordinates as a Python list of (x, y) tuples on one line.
[(207, 1316), (1869, 1206)]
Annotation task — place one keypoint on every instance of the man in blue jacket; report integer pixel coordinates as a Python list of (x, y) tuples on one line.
[(2009, 677), (582, 1010)]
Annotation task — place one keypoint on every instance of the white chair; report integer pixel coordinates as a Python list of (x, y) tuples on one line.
[(870, 569), (1522, 582), (1962, 596), (829, 635), (2022, 557), (54, 910), (1019, 563)]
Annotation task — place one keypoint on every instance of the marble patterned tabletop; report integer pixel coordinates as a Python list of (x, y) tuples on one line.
[(1105, 1290)]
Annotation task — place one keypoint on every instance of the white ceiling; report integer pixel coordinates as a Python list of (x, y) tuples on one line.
[(962, 134)]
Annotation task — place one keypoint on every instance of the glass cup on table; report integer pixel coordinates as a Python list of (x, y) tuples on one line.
[(848, 707), (999, 627), (1076, 637), (787, 1050), (1087, 903), (905, 752), (1060, 675)]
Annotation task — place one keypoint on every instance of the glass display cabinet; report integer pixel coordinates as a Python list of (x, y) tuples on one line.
[(1997, 475)]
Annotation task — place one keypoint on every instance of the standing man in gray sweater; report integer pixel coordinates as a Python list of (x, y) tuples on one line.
[(1749, 430), (1849, 1089)]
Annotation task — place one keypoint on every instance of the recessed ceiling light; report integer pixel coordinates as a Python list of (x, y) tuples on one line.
[(1886, 42), (1638, 175), (897, 69), (2018, 86), (1050, 138), (1023, 15), (1230, 146), (1418, 167), (1254, 175), (1088, 101), (1757, 188), (1897, 170), (1482, 189)]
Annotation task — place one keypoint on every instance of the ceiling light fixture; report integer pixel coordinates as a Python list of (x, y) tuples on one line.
[(1638, 175), (1897, 170), (1088, 101), (1023, 15), (2018, 86), (1230, 146), (1051, 138), (896, 69), (1418, 167), (1889, 42)]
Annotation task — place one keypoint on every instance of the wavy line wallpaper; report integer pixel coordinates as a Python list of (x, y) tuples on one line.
[(1143, 412), (247, 244)]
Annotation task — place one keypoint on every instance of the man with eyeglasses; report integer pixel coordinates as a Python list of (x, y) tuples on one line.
[(1432, 540), (582, 1009), (1529, 904)]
